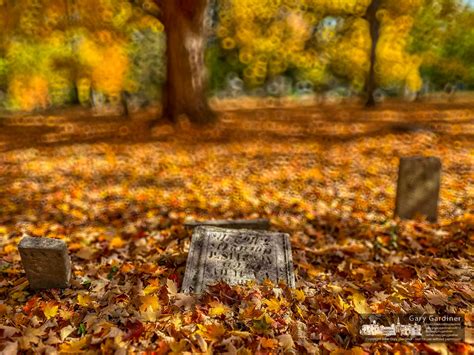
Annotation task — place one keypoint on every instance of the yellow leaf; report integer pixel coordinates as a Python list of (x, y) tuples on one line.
[(66, 314), (116, 243), (74, 346), (360, 303), (176, 322), (273, 305), (268, 343), (241, 334), (150, 289), (299, 311), (179, 348), (50, 310), (84, 300), (342, 303), (149, 301), (300, 296), (217, 309), (211, 331), (9, 248)]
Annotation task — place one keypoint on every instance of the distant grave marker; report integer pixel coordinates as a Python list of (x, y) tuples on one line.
[(46, 262), (418, 187), (237, 256), (256, 224)]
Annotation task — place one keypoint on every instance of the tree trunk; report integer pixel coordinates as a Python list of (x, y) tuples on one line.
[(186, 83), (374, 24)]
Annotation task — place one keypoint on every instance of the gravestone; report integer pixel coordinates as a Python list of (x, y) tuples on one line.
[(256, 224), (236, 256), (418, 187), (46, 262)]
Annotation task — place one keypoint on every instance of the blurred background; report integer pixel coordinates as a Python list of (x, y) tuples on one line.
[(109, 53)]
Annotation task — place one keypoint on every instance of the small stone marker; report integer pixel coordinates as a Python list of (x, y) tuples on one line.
[(418, 187), (236, 256), (256, 224), (46, 262)]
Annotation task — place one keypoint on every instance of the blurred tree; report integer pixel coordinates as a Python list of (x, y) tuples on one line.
[(185, 90), (111, 52), (374, 25)]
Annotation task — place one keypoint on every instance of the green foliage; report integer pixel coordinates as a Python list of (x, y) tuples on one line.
[(222, 63), (147, 70), (443, 35)]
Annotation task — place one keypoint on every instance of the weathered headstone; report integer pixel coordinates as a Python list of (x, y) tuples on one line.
[(46, 262), (418, 187), (256, 224), (236, 256)]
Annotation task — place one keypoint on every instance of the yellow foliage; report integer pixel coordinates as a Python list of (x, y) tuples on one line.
[(75, 346), (50, 310), (149, 302), (394, 65), (217, 309), (28, 93), (108, 79), (360, 303), (84, 300)]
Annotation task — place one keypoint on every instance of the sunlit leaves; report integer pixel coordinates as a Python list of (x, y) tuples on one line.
[(333, 195), (360, 303), (50, 310), (217, 309)]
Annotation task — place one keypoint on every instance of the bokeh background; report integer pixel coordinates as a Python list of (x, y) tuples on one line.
[(104, 53)]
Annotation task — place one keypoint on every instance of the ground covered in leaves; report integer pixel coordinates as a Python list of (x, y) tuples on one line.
[(119, 195)]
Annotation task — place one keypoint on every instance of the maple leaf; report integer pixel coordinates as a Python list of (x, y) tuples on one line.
[(134, 330), (273, 304), (50, 309), (436, 297), (178, 347), (342, 304), (31, 336), (172, 287), (150, 289), (268, 343), (149, 302), (7, 332), (263, 324), (299, 295), (217, 309), (75, 346), (211, 332), (66, 331), (28, 307), (84, 300), (360, 303), (184, 300)]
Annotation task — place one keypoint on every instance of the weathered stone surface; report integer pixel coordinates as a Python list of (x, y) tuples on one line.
[(46, 262), (418, 187), (256, 224), (237, 256)]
